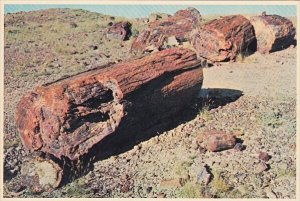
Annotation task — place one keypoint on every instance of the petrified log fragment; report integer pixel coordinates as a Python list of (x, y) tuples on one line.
[(223, 39), (40, 174), (190, 13), (215, 140), (273, 32), (67, 117), (157, 32), (119, 30)]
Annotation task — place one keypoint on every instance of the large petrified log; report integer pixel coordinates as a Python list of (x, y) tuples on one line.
[(159, 31), (68, 117), (223, 39), (273, 32)]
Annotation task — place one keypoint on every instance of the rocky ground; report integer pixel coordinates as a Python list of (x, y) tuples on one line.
[(254, 98)]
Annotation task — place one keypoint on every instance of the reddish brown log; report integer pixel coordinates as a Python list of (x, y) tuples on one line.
[(119, 30), (68, 117), (158, 31), (273, 32), (223, 39)]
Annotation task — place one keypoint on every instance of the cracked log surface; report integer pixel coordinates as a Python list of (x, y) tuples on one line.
[(273, 32), (223, 39), (158, 31), (69, 116)]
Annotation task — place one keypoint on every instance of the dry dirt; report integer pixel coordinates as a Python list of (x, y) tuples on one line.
[(254, 97)]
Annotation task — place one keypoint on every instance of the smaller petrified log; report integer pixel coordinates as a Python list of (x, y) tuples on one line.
[(158, 31), (119, 30), (190, 13), (273, 32), (223, 39)]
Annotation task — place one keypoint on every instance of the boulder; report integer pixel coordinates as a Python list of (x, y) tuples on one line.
[(215, 140), (69, 116), (223, 39), (159, 31), (273, 32), (119, 30)]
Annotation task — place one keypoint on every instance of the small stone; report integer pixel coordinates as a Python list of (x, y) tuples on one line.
[(119, 30), (161, 195), (264, 156), (149, 189), (204, 176), (73, 25), (215, 140), (202, 150), (262, 166), (239, 147)]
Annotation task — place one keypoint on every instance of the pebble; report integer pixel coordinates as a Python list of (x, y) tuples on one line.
[(239, 147), (264, 156), (204, 176), (161, 195), (262, 166)]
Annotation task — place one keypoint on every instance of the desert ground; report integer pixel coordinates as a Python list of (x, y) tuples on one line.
[(254, 97)]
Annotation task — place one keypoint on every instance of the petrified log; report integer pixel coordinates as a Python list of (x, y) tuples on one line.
[(158, 32), (223, 39), (69, 116), (119, 30), (273, 32)]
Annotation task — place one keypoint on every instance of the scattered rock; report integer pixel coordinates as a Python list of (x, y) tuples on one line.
[(149, 189), (161, 195), (215, 140), (73, 25), (119, 30), (204, 176), (262, 166), (264, 156), (239, 147)]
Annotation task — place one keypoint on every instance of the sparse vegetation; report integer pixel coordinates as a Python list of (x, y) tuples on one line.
[(190, 190)]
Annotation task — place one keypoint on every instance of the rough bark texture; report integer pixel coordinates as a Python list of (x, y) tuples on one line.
[(273, 32), (158, 31), (119, 30), (223, 39), (69, 116)]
